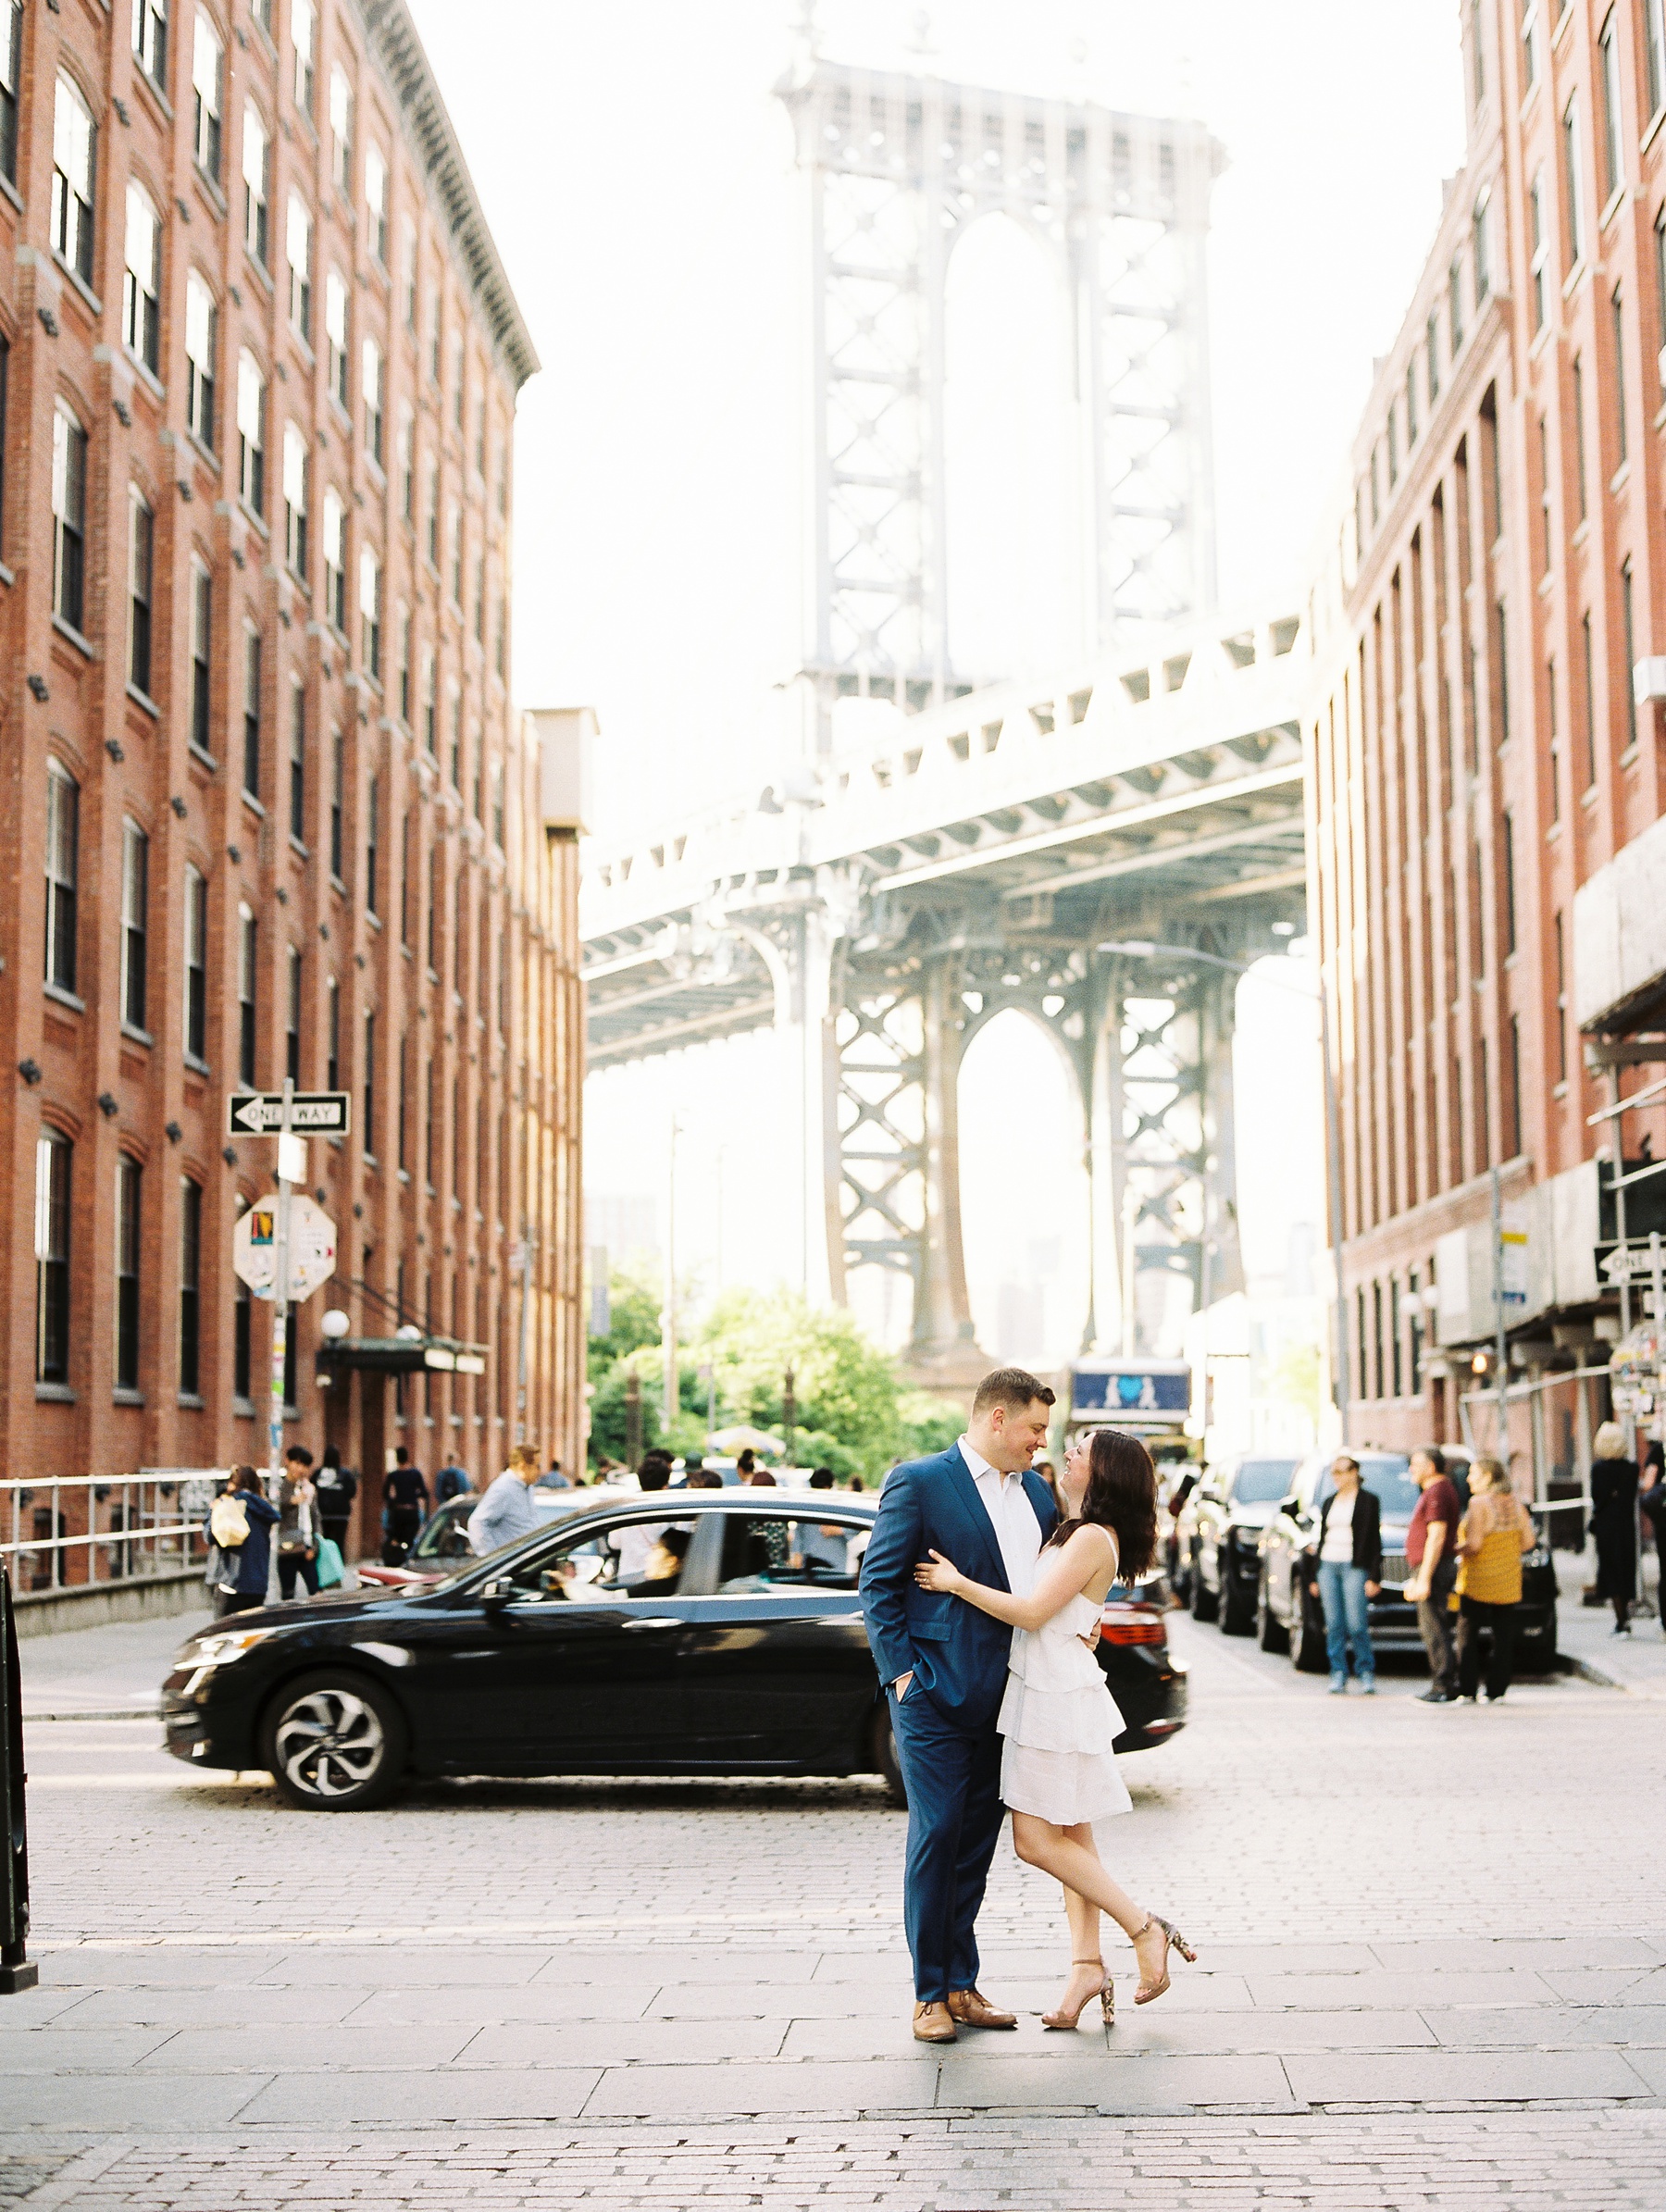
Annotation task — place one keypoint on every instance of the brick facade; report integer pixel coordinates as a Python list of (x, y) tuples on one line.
[(317, 455)]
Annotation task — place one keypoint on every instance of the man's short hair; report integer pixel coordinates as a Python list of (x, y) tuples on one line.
[(655, 1473), (400, 1454), (822, 1479), (300, 1452), (1013, 1387), (1432, 1453)]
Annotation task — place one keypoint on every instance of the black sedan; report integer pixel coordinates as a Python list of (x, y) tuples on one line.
[(1227, 1512), (1288, 1616), (728, 1641)]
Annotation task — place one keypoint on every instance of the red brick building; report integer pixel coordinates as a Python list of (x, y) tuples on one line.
[(1480, 753), (267, 810)]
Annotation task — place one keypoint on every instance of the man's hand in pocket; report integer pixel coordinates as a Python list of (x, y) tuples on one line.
[(900, 1684)]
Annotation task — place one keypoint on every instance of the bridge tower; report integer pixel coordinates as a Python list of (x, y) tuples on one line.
[(896, 166)]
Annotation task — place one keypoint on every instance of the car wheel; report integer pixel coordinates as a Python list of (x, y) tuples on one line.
[(1271, 1634), (1307, 1635), (1237, 1609), (334, 1742), (1205, 1602), (887, 1765)]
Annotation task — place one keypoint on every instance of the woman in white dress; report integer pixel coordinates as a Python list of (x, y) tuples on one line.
[(1059, 1720)]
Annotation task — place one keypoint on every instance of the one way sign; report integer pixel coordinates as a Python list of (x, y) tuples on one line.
[(259, 1113)]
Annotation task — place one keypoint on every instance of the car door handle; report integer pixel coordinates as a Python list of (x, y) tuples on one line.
[(655, 1620)]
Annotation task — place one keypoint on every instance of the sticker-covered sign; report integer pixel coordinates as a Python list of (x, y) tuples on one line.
[(312, 1247)]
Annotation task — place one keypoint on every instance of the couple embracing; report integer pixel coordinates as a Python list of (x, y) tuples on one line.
[(983, 1607)]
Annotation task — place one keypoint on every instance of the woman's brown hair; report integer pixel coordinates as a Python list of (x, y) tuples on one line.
[(1121, 1496)]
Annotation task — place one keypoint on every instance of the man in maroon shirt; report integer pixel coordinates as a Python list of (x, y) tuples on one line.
[(1432, 1554)]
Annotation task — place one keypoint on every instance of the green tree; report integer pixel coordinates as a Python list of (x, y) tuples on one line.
[(633, 1321), (845, 1386)]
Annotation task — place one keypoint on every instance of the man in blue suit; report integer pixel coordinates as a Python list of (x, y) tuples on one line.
[(944, 1667)]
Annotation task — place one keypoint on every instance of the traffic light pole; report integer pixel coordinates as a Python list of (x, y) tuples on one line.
[(280, 1307)]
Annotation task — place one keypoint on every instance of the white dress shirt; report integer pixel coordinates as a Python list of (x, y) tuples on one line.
[(1017, 1529)]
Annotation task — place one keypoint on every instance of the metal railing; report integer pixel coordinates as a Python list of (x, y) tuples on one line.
[(74, 1531)]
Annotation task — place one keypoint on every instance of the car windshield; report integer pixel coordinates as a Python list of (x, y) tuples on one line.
[(1390, 1474), (444, 1534), (1263, 1482)]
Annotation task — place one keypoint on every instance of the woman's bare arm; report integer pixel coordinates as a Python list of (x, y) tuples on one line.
[(1063, 1573)]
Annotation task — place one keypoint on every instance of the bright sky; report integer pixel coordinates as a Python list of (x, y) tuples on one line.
[(637, 174)]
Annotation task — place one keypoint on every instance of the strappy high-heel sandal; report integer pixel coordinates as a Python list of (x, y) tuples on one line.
[(1106, 1997), (1172, 1940)]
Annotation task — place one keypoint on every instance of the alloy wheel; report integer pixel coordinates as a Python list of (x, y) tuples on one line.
[(330, 1744)]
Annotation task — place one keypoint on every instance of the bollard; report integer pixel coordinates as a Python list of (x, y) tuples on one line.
[(16, 1972)]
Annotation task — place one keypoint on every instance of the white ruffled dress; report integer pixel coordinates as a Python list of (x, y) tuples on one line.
[(1058, 1723)]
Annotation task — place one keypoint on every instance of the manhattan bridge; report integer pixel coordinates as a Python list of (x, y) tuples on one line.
[(1002, 845)]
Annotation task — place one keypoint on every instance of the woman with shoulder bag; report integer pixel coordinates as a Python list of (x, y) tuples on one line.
[(239, 1524), (1347, 1565)]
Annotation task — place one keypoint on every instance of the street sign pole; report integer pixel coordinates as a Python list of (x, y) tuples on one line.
[(1503, 1329), (281, 1311)]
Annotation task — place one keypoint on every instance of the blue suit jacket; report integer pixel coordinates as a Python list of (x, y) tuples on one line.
[(957, 1655)]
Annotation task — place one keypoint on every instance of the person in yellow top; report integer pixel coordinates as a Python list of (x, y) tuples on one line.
[(1492, 1536)]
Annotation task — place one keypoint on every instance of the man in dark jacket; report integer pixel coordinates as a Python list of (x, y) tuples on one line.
[(337, 1487), (405, 1497), (250, 1561)]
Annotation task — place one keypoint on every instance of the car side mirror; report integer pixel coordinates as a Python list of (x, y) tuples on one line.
[(497, 1592)]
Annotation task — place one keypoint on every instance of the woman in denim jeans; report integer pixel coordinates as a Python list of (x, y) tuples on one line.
[(1347, 1572)]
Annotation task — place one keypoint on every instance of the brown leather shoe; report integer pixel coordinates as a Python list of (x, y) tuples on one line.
[(932, 2023), (973, 2009)]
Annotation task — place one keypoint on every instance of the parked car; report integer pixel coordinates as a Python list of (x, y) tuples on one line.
[(545, 1658), (442, 1544), (1222, 1526), (1288, 1616)]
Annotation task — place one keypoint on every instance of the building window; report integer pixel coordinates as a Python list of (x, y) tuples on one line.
[(369, 1101), (433, 514), (332, 1034), (407, 271), (303, 36), (1627, 617), (141, 541), (432, 1125), (458, 367), (456, 557), (335, 560), (242, 1361), (370, 612), (251, 433), (1508, 842), (372, 845), (457, 739), (1501, 624), (370, 373), (1590, 699), (340, 131), (53, 1156), (1660, 262), (338, 795), (298, 248), (335, 332), (407, 466), (130, 1184), (1545, 513), (405, 878), (1609, 46), (150, 38), (5, 384), (135, 900), (1579, 432), (1575, 185), (1617, 309), (1515, 1086), (1654, 15), (405, 665), (191, 1284), (1530, 43), (251, 746), (497, 804), (11, 80), (69, 518), (141, 305), (63, 873), (291, 1026), (1481, 253), (206, 93), (460, 936), (196, 964), (430, 714), (1535, 206), (201, 318), (376, 203), (74, 154), (1561, 1003), (297, 778), (201, 613), (296, 468), (1410, 404), (257, 186), (401, 1138), (1477, 72), (436, 333), (1455, 309), (247, 955)]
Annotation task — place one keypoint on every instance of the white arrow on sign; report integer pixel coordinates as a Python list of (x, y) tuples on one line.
[(1628, 1262), (312, 1247), (256, 1114)]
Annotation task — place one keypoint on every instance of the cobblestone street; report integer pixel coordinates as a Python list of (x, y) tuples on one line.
[(1432, 1969)]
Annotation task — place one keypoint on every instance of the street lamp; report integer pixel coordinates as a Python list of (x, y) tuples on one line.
[(1142, 948)]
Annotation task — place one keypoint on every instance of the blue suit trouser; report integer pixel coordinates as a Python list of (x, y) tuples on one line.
[(953, 1776)]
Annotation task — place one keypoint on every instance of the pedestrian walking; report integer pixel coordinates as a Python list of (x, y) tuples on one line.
[(404, 1501), (553, 1478), (1432, 1554), (1614, 1521), (239, 1524), (1492, 1536), (450, 1481), (506, 1512), (337, 1487), (298, 1526), (1347, 1562), (1653, 1503)]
